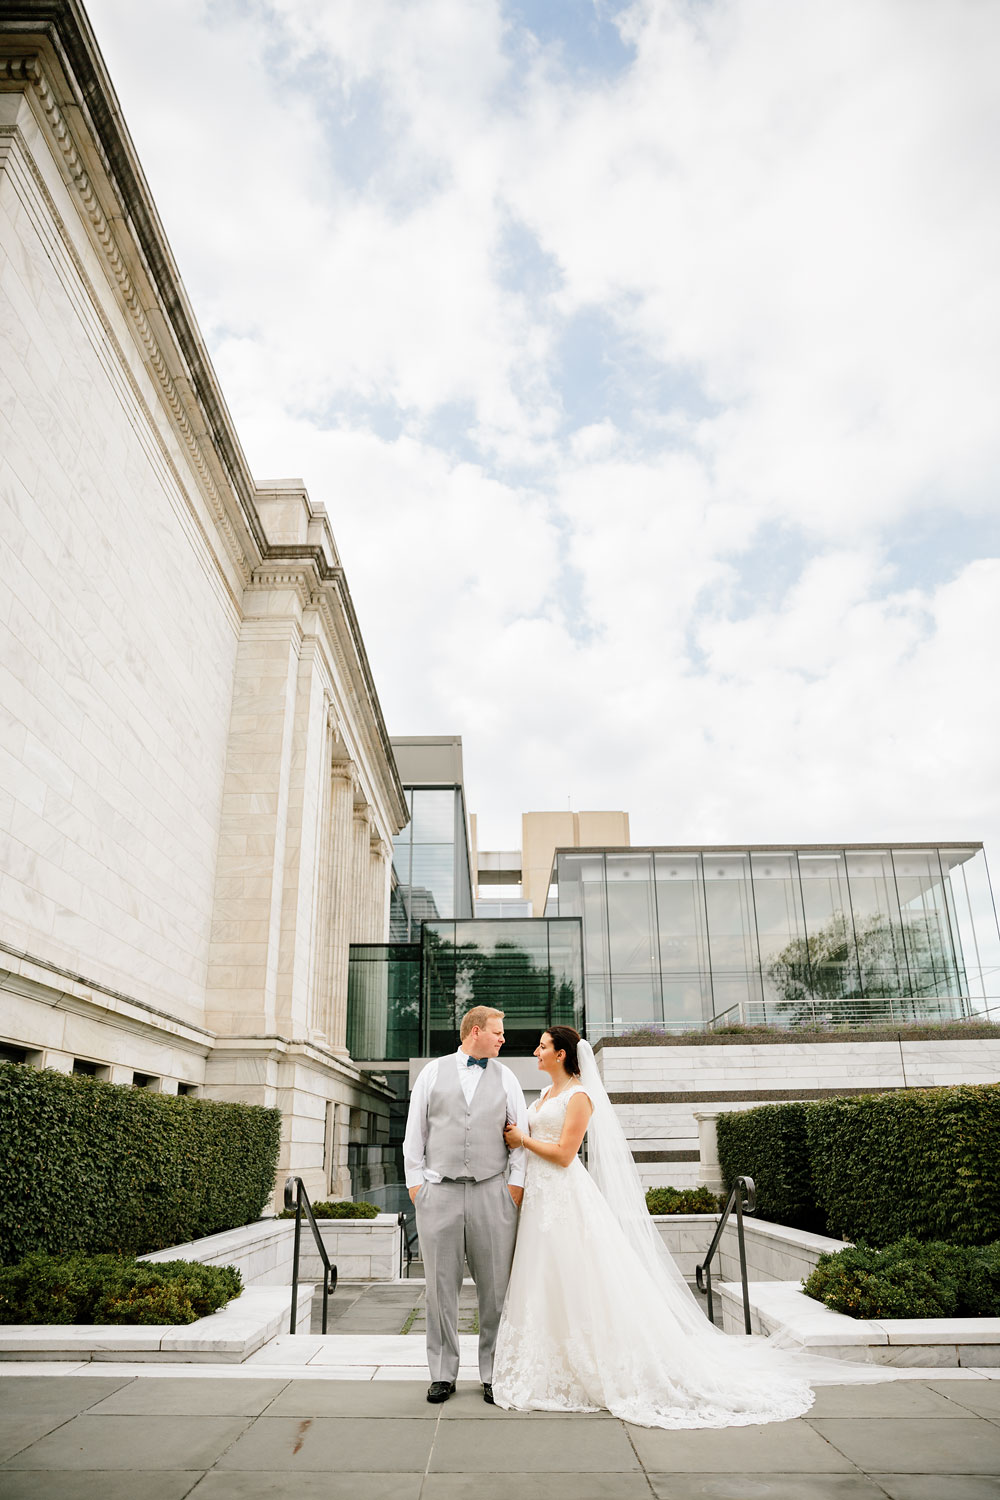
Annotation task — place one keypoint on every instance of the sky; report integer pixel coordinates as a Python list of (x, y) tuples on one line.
[(646, 357)]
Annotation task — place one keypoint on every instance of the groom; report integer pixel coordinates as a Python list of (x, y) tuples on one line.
[(467, 1189)]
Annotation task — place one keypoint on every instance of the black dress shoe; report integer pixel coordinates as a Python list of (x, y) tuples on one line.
[(440, 1390), (488, 1393)]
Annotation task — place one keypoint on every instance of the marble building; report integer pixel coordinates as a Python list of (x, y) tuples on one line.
[(197, 792)]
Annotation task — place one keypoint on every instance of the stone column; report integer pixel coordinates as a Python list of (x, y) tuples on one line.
[(242, 989), (340, 1177), (342, 785), (708, 1148)]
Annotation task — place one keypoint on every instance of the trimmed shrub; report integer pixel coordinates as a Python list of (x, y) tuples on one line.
[(112, 1289), (770, 1145), (671, 1200), (909, 1279), (922, 1162), (337, 1210), (97, 1167)]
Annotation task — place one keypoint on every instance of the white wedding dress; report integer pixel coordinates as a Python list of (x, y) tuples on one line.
[(598, 1317)]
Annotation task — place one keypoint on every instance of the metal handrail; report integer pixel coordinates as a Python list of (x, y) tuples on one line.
[(296, 1197), (744, 1199), (407, 1240)]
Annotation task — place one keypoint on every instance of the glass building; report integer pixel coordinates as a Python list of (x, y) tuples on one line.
[(430, 861), (407, 999), (684, 938)]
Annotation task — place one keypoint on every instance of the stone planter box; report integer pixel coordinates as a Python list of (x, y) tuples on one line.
[(361, 1249), (781, 1307), (261, 1252), (227, 1337), (774, 1252)]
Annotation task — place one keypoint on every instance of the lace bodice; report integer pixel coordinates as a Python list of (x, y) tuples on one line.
[(547, 1115)]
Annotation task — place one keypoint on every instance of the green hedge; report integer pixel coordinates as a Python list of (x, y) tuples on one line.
[(112, 1289), (910, 1279), (878, 1167), (770, 1145), (921, 1162), (93, 1166), (671, 1200), (337, 1210)]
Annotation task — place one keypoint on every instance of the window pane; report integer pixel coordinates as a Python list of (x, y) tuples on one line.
[(434, 815)]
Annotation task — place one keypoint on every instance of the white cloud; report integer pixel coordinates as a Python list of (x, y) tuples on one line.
[(782, 218)]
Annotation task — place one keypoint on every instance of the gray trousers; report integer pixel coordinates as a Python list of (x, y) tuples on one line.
[(459, 1221)]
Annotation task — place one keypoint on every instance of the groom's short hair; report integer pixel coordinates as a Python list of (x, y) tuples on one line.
[(477, 1016)]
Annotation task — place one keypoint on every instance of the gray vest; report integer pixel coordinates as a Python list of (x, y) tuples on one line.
[(466, 1140)]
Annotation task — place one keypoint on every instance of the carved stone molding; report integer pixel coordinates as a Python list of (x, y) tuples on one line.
[(29, 70)]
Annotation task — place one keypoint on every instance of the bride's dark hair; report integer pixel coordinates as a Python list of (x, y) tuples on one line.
[(564, 1039)]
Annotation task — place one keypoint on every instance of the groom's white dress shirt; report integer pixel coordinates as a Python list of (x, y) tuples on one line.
[(415, 1139)]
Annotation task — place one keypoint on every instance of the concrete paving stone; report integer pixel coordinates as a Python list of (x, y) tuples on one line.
[(88, 1442), (397, 1445), (181, 1398), (928, 1445), (328, 1398), (907, 1399), (468, 1403), (234, 1484), (20, 1431), (553, 1446), (940, 1486), (979, 1396), (98, 1485), (565, 1486), (58, 1394), (765, 1487), (771, 1448)]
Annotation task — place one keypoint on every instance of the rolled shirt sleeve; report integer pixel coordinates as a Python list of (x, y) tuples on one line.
[(415, 1139), (517, 1111)]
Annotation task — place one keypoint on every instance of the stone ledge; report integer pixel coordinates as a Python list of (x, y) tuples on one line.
[(227, 1337), (783, 1309)]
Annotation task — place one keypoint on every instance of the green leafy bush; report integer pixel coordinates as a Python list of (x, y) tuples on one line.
[(81, 1288), (338, 1210), (910, 1279), (920, 1162), (100, 1167), (671, 1200), (770, 1144)]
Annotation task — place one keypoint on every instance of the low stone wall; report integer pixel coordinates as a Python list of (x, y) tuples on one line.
[(783, 1309), (774, 1252), (657, 1090), (229, 1336), (361, 1249), (261, 1252)]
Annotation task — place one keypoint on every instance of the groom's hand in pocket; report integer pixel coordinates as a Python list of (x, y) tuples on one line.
[(414, 1191), (517, 1193)]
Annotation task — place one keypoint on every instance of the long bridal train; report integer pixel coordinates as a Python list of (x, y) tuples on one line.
[(598, 1317)]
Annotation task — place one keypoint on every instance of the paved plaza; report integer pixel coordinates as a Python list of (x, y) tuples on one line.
[(345, 1417), (149, 1437)]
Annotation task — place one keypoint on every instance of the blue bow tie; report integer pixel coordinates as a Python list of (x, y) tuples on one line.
[(476, 1062)]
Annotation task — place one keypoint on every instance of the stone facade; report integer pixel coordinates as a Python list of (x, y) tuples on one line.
[(659, 1092), (197, 792)]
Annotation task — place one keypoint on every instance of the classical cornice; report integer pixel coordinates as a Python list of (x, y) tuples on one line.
[(48, 48), (48, 51)]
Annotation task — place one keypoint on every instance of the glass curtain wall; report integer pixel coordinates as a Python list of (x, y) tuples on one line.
[(430, 862), (407, 999), (682, 938), (383, 1001)]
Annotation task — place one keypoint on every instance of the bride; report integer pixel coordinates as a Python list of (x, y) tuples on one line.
[(597, 1314)]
